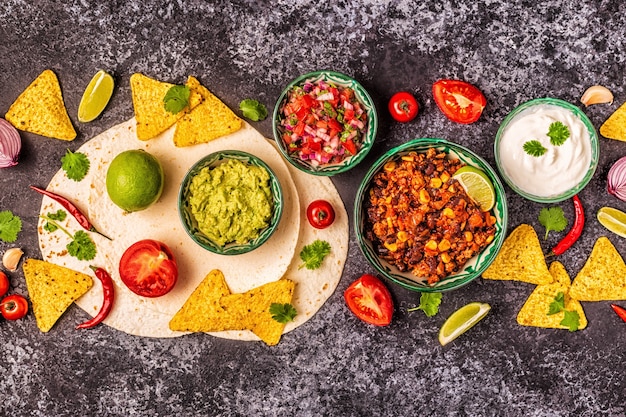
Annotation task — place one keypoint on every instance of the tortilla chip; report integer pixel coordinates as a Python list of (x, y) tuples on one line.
[(603, 277), (40, 109), (202, 311), (52, 289), (535, 310), (210, 120), (252, 308), (520, 259), (615, 126), (152, 118)]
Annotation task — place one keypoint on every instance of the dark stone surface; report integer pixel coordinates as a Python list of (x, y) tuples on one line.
[(333, 365)]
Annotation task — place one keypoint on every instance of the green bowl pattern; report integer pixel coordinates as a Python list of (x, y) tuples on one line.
[(370, 132), (595, 149), (475, 266), (189, 222)]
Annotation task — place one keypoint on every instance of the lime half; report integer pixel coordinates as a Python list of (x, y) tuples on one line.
[(462, 320), (613, 219), (96, 96), (477, 185)]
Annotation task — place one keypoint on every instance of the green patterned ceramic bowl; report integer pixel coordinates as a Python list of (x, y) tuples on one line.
[(552, 179), (322, 168), (475, 266), (190, 223)]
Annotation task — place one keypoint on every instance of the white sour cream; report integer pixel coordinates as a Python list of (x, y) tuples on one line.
[(561, 167)]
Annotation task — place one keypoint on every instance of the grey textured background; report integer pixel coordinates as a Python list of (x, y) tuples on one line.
[(334, 365)]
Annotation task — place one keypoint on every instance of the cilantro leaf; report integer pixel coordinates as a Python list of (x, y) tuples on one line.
[(534, 148), (253, 109), (59, 215), (552, 219), (283, 313), (82, 247), (313, 254), (558, 133), (558, 304), (75, 165), (571, 320), (176, 98), (10, 226), (429, 303)]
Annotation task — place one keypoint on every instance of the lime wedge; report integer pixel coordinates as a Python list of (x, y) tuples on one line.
[(613, 219), (477, 185), (461, 320), (96, 96)]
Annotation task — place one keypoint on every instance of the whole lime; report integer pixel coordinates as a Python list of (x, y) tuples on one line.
[(134, 180)]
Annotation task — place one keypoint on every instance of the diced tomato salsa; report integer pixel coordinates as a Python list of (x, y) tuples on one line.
[(322, 123)]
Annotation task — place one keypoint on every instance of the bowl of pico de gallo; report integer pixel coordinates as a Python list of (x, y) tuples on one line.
[(324, 123)]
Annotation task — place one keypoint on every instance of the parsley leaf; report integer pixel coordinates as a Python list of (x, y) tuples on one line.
[(283, 313), (82, 247), (552, 219), (558, 304), (313, 254), (253, 109), (571, 320), (429, 303), (59, 215), (558, 133), (176, 98), (75, 165), (10, 226), (534, 148)]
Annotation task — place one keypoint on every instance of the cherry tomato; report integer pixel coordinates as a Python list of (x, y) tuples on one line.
[(369, 299), (320, 214), (14, 307), (459, 101), (148, 268), (4, 283), (403, 107)]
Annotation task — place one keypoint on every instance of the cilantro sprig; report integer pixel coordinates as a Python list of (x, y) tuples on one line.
[(176, 98), (558, 133), (283, 313), (429, 303), (534, 148), (313, 255), (552, 218), (81, 246), (571, 319), (253, 109), (75, 165), (10, 226), (58, 215)]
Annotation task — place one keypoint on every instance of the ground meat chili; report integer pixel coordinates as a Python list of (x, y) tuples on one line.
[(421, 220)]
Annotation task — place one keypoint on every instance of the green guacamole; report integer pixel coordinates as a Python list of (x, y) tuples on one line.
[(231, 202)]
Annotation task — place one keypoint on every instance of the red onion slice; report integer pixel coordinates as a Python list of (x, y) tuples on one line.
[(616, 179), (10, 144)]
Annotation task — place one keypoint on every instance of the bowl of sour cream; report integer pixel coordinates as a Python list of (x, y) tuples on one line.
[(546, 150)]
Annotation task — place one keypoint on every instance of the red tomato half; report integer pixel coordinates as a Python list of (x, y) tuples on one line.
[(369, 299), (403, 107), (320, 214), (148, 268), (461, 102), (14, 307), (4, 283)]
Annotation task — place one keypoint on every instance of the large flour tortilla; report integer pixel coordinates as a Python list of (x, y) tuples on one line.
[(278, 257)]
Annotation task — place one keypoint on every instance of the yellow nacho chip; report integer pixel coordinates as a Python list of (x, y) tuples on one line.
[(603, 277), (210, 120), (52, 289), (520, 259), (202, 311), (40, 109), (252, 308), (152, 118), (615, 126), (535, 310)]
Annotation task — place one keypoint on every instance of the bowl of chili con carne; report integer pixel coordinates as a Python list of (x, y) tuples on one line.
[(416, 224), (324, 123)]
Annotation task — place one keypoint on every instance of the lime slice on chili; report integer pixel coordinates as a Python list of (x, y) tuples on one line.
[(462, 320), (477, 185), (613, 219), (96, 96)]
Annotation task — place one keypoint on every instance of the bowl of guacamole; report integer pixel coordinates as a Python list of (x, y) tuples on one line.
[(230, 202)]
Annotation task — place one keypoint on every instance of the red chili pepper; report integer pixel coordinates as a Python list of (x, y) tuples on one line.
[(107, 302), (572, 236), (71, 207), (620, 311)]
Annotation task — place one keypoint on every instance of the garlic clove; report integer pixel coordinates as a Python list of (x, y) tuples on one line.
[(596, 94), (11, 258)]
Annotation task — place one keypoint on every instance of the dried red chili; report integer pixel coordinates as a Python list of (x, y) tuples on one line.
[(71, 207), (107, 303), (620, 311), (572, 236)]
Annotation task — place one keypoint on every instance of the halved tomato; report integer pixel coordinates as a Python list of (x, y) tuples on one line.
[(148, 268), (370, 300), (459, 101)]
